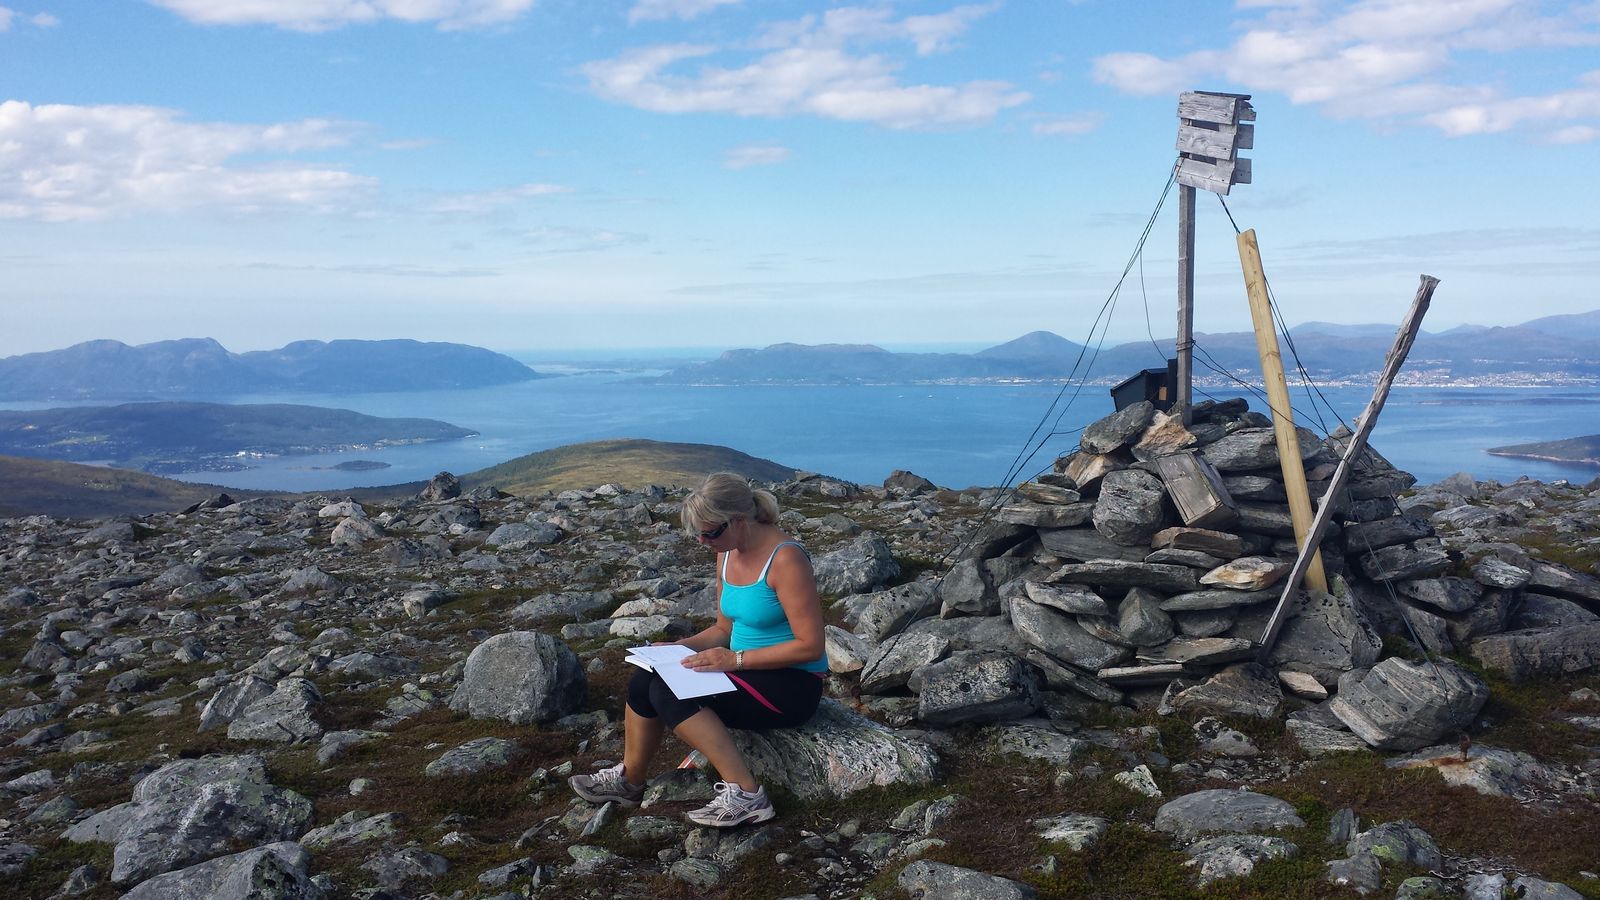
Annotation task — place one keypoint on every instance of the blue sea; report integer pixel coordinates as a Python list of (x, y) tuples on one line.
[(955, 435)]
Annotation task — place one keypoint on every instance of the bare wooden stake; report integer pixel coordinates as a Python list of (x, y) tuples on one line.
[(1294, 470), (1404, 338)]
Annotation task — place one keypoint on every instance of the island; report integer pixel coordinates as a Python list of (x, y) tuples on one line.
[(1584, 451), (175, 436)]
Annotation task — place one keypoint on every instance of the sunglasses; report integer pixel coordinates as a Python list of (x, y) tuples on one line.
[(716, 532)]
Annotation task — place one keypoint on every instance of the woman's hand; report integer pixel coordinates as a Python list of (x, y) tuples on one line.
[(717, 659)]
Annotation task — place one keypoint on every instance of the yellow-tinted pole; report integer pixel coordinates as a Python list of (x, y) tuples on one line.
[(1294, 471)]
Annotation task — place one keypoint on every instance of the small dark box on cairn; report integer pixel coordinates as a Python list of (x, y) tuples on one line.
[(1155, 385)]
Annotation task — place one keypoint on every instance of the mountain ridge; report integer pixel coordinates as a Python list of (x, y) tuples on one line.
[(201, 367)]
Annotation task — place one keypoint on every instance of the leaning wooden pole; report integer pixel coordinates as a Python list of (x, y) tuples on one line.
[(1294, 471), (1404, 338)]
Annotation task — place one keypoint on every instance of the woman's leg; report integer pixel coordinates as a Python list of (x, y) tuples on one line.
[(641, 737), (705, 732)]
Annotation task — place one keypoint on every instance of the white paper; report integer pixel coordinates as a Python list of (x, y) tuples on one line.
[(667, 661)]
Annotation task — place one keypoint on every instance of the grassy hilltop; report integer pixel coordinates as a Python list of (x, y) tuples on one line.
[(631, 463), (63, 489)]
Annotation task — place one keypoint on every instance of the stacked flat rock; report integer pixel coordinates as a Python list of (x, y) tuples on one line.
[(1096, 570)]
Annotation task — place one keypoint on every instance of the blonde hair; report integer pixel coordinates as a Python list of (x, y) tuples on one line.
[(724, 496)]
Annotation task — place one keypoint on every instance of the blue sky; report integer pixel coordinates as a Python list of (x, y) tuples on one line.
[(555, 173)]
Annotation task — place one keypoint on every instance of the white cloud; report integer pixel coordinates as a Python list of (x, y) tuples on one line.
[(562, 239), (43, 20), (811, 66), (480, 202), (1390, 60), (743, 157), (322, 15), (65, 163), (6, 15), (1069, 125), (658, 10), (1582, 102)]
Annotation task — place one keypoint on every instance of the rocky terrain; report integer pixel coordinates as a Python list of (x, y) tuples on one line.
[(1051, 693)]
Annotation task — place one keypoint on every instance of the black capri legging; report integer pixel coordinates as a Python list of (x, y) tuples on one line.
[(765, 698)]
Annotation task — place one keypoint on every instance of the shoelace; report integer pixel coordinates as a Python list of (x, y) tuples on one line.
[(725, 798)]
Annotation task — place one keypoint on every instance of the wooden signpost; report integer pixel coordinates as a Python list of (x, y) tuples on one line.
[(1212, 129)]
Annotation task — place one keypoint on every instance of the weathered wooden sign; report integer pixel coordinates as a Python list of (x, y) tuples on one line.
[(1212, 129)]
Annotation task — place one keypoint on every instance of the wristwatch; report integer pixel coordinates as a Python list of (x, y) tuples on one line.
[(738, 659)]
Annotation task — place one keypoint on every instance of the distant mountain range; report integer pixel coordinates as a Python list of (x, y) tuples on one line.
[(177, 436), (201, 367), (1556, 349)]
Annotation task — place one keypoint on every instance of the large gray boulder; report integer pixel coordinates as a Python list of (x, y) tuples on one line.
[(1243, 689), (1141, 621), (283, 715), (232, 699), (1117, 429), (1563, 582), (863, 565), (1060, 635), (192, 810), (977, 686), (896, 659), (889, 612), (928, 880), (274, 872), (1324, 637), (521, 677), (1400, 705), (1254, 448), (1132, 507), (1225, 811), (965, 590), (835, 754), (1541, 651)]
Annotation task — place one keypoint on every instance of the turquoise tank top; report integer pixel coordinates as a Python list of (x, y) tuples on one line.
[(758, 618)]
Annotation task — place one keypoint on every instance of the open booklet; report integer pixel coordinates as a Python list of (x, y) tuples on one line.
[(667, 660)]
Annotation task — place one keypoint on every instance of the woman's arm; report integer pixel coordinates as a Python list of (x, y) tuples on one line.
[(792, 578)]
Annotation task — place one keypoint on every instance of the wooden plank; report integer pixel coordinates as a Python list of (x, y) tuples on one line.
[(1196, 490), (1218, 142), (1206, 106), (1294, 471), (1403, 339), (1241, 171), (1210, 141), (1207, 175)]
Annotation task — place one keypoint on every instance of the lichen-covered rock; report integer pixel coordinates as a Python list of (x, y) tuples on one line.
[(927, 880), (283, 715), (977, 687), (1541, 651), (521, 677), (479, 755), (1234, 855), (835, 754), (865, 564), (1226, 811), (192, 810), (1400, 705), (276, 871), (1132, 507)]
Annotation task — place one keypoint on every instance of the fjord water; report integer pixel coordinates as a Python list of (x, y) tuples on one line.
[(956, 435)]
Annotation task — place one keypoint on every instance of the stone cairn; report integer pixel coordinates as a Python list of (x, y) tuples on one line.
[(1089, 585)]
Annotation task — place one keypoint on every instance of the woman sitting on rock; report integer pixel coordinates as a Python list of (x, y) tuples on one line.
[(767, 637)]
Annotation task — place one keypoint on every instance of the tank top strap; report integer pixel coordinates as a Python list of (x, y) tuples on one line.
[(764, 569)]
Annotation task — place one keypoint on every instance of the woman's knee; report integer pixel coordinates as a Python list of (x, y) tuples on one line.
[(641, 693)]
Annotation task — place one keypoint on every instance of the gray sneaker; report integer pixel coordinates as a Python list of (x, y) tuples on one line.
[(607, 786), (733, 806)]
